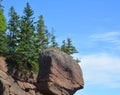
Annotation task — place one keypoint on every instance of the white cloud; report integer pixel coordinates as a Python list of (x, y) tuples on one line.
[(101, 69), (108, 41), (100, 66), (112, 37)]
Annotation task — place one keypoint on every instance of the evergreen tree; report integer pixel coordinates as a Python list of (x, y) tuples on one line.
[(3, 38), (68, 47), (64, 46), (14, 32), (42, 35), (1, 6), (27, 24), (27, 56), (25, 42), (53, 42)]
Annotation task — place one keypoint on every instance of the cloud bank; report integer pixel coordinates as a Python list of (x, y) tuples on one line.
[(111, 39), (101, 69), (101, 63)]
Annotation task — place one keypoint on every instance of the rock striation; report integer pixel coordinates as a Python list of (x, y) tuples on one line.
[(59, 73), (10, 85)]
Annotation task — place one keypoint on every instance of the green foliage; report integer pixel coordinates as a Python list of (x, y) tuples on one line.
[(2, 22), (78, 60), (26, 39), (64, 46), (3, 38), (22, 48), (26, 47), (1, 7), (53, 42), (42, 35), (68, 47), (14, 31)]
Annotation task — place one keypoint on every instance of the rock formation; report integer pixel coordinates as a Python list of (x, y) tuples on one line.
[(59, 74), (9, 85)]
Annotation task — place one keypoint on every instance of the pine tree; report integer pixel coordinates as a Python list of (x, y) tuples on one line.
[(14, 32), (42, 35), (52, 37), (71, 48), (1, 6), (64, 46), (68, 47), (53, 42), (27, 24), (26, 49), (3, 38)]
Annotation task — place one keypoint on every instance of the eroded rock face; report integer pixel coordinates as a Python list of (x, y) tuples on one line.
[(11, 86), (59, 74)]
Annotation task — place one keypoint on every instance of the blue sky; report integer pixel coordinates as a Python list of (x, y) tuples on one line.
[(94, 27)]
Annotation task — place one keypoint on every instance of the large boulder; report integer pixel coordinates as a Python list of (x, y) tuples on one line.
[(59, 73)]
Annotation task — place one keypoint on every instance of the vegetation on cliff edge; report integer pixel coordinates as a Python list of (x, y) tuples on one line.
[(23, 38)]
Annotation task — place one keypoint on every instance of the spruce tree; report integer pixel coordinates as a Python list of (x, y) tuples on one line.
[(14, 32), (42, 35), (27, 52), (53, 42), (52, 38), (68, 47), (1, 6), (3, 38), (64, 46)]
